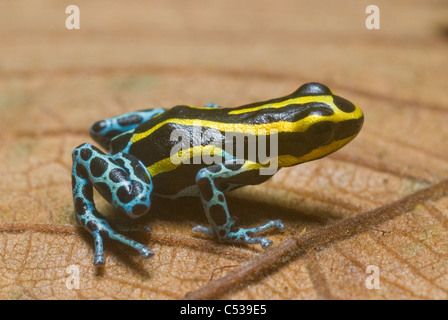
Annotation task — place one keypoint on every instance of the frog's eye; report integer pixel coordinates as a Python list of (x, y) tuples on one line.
[(313, 88), (321, 133)]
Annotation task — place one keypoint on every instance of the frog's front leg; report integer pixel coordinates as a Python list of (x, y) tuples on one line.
[(212, 182), (122, 180)]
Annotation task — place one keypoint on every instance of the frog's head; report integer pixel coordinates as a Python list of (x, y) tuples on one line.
[(327, 122)]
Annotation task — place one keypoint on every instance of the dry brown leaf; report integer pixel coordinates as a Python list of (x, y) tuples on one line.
[(381, 201)]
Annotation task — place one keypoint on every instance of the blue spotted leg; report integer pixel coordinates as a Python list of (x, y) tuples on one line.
[(212, 182), (122, 180), (105, 130)]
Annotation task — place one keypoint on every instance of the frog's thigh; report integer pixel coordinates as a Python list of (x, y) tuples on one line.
[(121, 179)]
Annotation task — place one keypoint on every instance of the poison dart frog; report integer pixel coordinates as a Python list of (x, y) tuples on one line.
[(308, 124)]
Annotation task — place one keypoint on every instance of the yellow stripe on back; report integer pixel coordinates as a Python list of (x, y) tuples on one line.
[(168, 164), (181, 157), (281, 126), (300, 100)]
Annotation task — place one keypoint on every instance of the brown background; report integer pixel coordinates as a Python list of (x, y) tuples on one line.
[(54, 83)]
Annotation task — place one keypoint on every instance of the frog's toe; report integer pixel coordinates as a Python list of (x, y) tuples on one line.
[(142, 249), (98, 259), (204, 230), (145, 252), (241, 236), (103, 229), (264, 242), (146, 229)]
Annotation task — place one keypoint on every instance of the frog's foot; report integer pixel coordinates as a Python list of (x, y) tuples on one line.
[(99, 228), (242, 235)]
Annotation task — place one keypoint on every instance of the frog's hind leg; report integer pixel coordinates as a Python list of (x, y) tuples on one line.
[(212, 182), (122, 180), (105, 130), (212, 105)]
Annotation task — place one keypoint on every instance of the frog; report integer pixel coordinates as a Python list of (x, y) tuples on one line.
[(137, 164)]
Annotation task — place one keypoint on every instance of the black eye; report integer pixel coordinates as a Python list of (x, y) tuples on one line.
[(321, 133), (313, 88), (343, 105)]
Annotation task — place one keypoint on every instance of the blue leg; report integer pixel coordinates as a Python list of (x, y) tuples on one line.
[(122, 180), (105, 130), (212, 181), (212, 105)]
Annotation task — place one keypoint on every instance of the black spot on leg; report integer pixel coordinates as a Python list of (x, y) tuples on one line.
[(92, 226), (123, 194), (87, 192), (120, 162), (104, 233), (139, 170), (214, 169), (206, 189), (218, 214), (98, 166), (142, 174), (129, 120), (118, 175), (104, 190), (126, 193), (221, 197), (81, 171), (234, 166), (86, 154), (137, 187)]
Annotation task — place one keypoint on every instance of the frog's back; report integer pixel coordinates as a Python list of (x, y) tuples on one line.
[(309, 124), (152, 142)]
